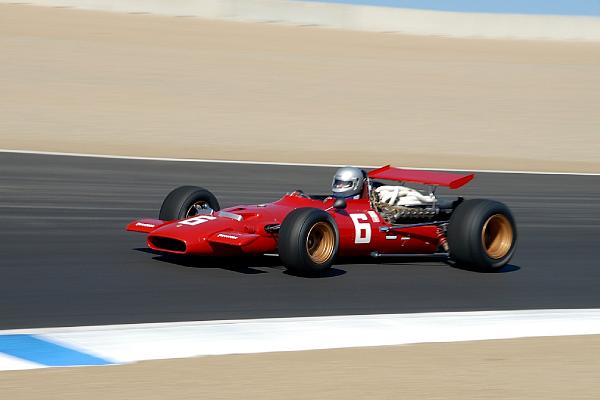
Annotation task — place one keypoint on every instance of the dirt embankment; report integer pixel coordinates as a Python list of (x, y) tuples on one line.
[(94, 82)]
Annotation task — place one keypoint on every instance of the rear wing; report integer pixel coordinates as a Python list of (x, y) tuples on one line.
[(453, 181)]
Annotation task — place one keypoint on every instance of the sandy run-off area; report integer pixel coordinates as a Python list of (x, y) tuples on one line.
[(93, 82), (529, 369)]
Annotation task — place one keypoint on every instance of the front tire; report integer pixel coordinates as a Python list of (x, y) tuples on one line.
[(308, 241), (187, 201), (482, 235)]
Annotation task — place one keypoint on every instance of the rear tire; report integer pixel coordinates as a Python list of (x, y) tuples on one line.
[(482, 235), (187, 201), (308, 241)]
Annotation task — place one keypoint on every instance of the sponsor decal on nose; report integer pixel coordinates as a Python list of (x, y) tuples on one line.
[(145, 225), (225, 236)]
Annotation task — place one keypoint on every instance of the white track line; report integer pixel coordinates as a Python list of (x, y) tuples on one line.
[(199, 160), (137, 342), (10, 363)]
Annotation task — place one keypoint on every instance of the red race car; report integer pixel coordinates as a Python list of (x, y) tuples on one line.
[(363, 216)]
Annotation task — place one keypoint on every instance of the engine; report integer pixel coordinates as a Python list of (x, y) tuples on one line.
[(403, 204)]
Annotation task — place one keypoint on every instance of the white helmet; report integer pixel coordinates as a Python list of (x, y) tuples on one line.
[(348, 182)]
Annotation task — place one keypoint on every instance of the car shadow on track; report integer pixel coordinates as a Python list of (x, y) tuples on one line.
[(506, 269), (415, 261), (244, 265), (329, 273), (249, 265)]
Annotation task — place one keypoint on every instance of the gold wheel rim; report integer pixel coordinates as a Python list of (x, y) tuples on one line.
[(320, 242), (497, 236)]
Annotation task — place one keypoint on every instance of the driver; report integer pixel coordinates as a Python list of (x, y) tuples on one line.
[(348, 182)]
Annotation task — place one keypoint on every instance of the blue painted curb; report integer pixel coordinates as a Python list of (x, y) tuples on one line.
[(37, 350)]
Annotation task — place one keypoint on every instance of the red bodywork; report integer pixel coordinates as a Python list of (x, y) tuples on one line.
[(252, 229)]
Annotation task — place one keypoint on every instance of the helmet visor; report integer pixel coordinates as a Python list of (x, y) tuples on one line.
[(340, 185)]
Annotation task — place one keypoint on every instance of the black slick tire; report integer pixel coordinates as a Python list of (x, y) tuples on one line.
[(308, 241), (178, 203), (481, 235)]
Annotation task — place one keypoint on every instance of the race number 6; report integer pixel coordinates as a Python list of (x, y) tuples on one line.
[(197, 220), (362, 230)]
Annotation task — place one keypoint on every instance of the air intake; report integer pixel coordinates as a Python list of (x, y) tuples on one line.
[(166, 244)]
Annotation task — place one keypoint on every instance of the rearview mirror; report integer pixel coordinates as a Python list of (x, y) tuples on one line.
[(339, 204)]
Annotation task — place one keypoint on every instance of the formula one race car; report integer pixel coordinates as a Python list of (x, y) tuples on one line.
[(362, 217)]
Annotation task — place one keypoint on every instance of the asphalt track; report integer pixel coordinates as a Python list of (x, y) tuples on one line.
[(65, 258)]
